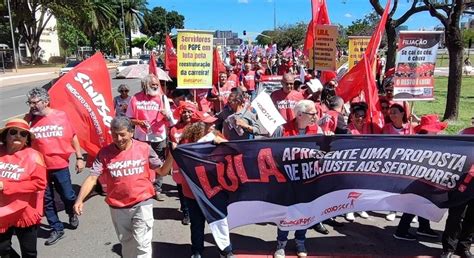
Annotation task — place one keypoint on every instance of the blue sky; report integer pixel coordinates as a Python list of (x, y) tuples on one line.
[(255, 16)]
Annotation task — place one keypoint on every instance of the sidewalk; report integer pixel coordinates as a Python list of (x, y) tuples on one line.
[(27, 75)]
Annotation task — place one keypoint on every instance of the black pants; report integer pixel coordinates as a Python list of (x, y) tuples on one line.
[(182, 200), (160, 149), (26, 237), (459, 228), (405, 220), (197, 226)]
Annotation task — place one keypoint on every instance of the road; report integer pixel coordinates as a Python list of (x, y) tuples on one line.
[(96, 237)]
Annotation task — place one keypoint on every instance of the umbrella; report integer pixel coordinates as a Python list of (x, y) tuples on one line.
[(141, 70)]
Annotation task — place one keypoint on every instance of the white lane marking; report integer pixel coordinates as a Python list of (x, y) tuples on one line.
[(24, 76), (16, 116)]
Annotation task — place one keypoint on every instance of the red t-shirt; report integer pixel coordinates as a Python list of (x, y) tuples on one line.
[(233, 79), (53, 138), (365, 129), (224, 92), (23, 174), (286, 102), (128, 173), (248, 80)]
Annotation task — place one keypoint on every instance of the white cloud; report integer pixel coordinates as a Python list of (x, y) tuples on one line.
[(348, 15), (243, 1)]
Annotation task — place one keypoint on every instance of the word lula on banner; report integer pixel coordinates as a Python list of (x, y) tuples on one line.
[(304, 180)]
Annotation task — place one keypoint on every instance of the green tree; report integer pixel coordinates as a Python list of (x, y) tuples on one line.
[(160, 22), (467, 34), (266, 37), (364, 26), (95, 16), (138, 42), (112, 41), (133, 11), (449, 14), (70, 37)]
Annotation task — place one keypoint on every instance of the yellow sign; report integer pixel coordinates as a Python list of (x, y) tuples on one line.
[(194, 59), (357, 46)]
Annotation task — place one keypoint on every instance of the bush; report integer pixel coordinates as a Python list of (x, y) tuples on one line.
[(56, 60)]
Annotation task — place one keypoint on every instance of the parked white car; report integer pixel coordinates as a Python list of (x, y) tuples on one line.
[(68, 67), (127, 62)]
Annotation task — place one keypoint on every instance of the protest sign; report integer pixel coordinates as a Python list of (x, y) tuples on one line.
[(357, 46), (194, 59), (267, 112), (325, 47), (296, 182), (414, 69), (85, 94)]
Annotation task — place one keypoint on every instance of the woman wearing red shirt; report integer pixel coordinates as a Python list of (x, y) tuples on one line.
[(398, 125), (186, 113), (22, 184)]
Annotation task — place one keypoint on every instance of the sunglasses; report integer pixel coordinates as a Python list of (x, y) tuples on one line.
[(15, 132), (123, 90)]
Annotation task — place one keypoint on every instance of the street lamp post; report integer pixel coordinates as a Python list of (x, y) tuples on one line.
[(123, 29), (13, 36)]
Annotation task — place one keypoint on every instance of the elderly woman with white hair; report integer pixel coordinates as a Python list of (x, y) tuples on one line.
[(121, 101)]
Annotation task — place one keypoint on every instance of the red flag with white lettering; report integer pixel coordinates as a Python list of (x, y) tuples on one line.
[(171, 64), (85, 94)]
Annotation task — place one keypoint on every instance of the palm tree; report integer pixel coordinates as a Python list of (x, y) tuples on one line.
[(97, 15), (113, 40), (133, 11)]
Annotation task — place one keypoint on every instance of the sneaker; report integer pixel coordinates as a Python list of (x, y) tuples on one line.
[(279, 253), (332, 222), (391, 216), (406, 236), (427, 233), (301, 251), (465, 254), (196, 255), (364, 215), (73, 221), (415, 219), (446, 254), (54, 237), (159, 196), (350, 216), (186, 220), (321, 229), (228, 255)]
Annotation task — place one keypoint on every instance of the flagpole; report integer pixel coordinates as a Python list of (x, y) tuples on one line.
[(312, 21)]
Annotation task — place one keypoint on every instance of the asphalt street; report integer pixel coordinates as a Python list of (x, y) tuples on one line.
[(96, 237)]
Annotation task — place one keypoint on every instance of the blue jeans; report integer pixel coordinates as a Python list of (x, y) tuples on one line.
[(58, 179), (300, 235)]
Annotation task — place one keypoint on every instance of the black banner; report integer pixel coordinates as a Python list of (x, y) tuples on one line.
[(296, 182)]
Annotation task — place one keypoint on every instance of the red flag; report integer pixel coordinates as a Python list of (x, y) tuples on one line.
[(361, 76), (320, 15), (152, 64), (85, 94), (170, 58), (232, 57), (354, 81), (217, 66)]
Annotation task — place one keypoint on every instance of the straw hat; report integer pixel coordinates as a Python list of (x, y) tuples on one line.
[(430, 123), (18, 123)]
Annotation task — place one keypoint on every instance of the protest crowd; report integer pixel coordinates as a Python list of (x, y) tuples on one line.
[(150, 124)]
